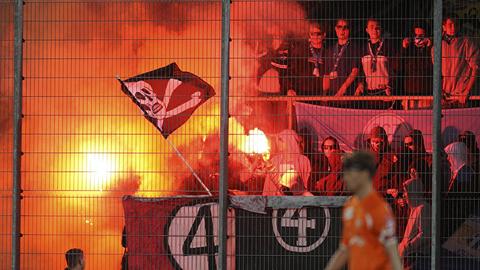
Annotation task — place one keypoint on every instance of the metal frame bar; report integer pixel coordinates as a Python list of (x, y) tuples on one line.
[(436, 133), (224, 115), (17, 133)]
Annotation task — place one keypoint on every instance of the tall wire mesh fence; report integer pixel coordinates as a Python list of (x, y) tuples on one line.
[(121, 130), (6, 100)]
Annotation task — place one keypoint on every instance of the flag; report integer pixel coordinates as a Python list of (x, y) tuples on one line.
[(167, 96)]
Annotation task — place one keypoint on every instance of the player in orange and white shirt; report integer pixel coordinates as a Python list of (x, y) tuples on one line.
[(368, 240)]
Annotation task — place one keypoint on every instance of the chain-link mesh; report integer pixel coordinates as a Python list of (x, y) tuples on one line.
[(121, 131), (6, 101)]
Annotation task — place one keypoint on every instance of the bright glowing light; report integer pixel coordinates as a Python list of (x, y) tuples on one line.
[(257, 143), (100, 168)]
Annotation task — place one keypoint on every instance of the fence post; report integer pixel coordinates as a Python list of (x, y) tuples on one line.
[(224, 115), (436, 133), (17, 132)]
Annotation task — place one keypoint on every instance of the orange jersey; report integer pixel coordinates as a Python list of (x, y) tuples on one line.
[(368, 225)]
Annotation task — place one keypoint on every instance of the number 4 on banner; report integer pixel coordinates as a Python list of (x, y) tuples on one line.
[(210, 249), (302, 223)]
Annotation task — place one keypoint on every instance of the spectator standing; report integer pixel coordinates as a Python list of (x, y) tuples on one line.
[(417, 66), (378, 66), (460, 57), (291, 169), (327, 180), (273, 67), (368, 238), (342, 62), (473, 153), (308, 64), (75, 259)]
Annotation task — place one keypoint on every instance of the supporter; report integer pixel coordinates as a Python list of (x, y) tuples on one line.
[(378, 66), (328, 171), (414, 160), (308, 64), (415, 244), (273, 68), (459, 202), (75, 259), (384, 159), (342, 63), (460, 58), (291, 169), (473, 153), (417, 66), (419, 162)]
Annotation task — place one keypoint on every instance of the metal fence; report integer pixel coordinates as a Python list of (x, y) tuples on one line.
[(83, 167)]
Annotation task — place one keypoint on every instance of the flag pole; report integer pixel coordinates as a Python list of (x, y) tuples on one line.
[(176, 151), (189, 167)]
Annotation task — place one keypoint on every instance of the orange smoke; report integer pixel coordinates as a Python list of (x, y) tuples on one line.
[(85, 143)]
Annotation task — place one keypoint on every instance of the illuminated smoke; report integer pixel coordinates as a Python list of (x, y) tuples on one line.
[(75, 112)]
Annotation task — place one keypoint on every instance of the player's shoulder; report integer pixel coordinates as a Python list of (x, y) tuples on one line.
[(377, 204)]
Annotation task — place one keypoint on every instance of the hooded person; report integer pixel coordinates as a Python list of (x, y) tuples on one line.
[(290, 168), (473, 153), (384, 158), (460, 200)]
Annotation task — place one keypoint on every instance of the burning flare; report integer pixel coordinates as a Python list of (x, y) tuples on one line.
[(256, 142)]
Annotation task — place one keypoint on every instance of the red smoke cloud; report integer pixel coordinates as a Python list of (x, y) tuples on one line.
[(86, 144)]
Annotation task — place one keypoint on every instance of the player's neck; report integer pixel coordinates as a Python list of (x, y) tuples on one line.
[(364, 191), (375, 40)]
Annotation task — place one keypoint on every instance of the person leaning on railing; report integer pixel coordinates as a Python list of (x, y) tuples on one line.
[(460, 58), (417, 66), (308, 63), (379, 65)]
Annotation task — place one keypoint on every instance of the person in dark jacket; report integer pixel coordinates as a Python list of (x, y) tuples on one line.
[(419, 162), (385, 160), (308, 64), (459, 203), (415, 244), (417, 66), (328, 177)]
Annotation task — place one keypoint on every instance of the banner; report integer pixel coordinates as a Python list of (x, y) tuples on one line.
[(181, 233), (351, 127)]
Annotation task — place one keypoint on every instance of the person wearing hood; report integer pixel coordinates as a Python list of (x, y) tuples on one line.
[(459, 201), (385, 160), (473, 153), (328, 173), (290, 168)]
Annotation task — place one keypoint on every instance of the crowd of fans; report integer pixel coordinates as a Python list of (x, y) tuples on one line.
[(378, 66), (403, 177)]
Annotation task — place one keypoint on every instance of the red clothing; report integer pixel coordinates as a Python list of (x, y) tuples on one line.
[(368, 225)]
